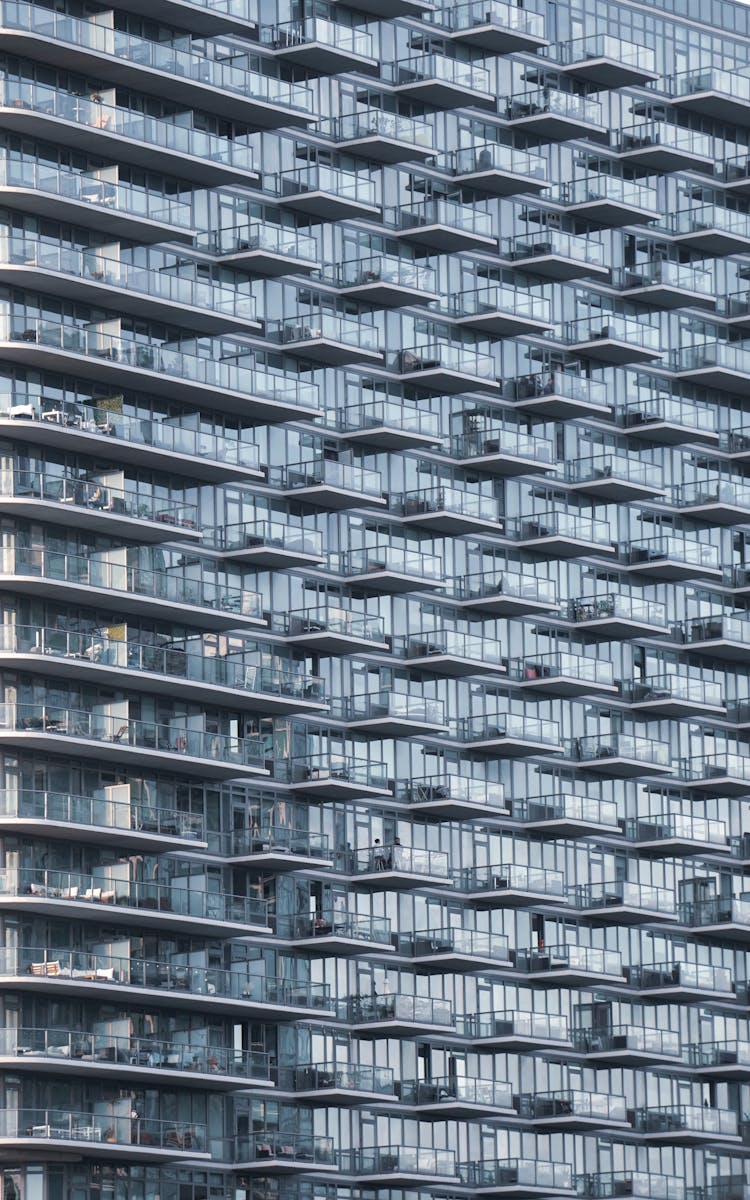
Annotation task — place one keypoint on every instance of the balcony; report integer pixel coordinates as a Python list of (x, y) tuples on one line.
[(563, 966), (628, 1046), (561, 534), (551, 114), (686, 1125), (559, 395), (329, 483), (332, 932), (561, 673), (263, 249), (617, 616), (451, 653), (328, 193), (668, 420), (734, 175), (389, 425), (623, 902), (719, 501), (385, 9), (393, 867), (682, 981), (728, 1060), (734, 310), (274, 544), (455, 797), (670, 694), (139, 1060), (206, 601), (321, 46), (127, 135), (442, 225), (723, 773), (573, 1109), (398, 1015), (329, 1083), (515, 1031), (278, 848), (555, 254), (496, 168), (125, 512), (718, 917), (506, 593), (438, 80), (499, 311), (338, 776), (212, 380), (327, 339), (389, 569), (566, 815), (722, 365), (674, 558), (611, 338), (102, 819), (665, 147), (270, 1152), (224, 17), (664, 283), (55, 728), (500, 449), (494, 27), (609, 200), (333, 629), (608, 61), (674, 834), (508, 734), (711, 92), (61, 1132), (623, 755), (444, 508), (450, 949), (386, 1166), (718, 636), (518, 1178), (388, 713), (445, 368), (387, 281), (458, 1097), (710, 229), (64, 895), (509, 885), (380, 136)]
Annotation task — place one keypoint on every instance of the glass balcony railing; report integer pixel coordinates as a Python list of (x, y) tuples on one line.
[(543, 1027), (409, 860), (482, 584), (723, 355), (463, 218), (352, 186), (679, 1118), (388, 558), (329, 767), (556, 523), (79, 492), (331, 923), (148, 1052), (716, 491), (288, 34), (326, 472), (549, 101), (321, 1077), (519, 1173), (496, 12), (713, 628), (445, 498), (388, 414), (482, 157), (511, 726), (320, 326), (479, 302), (716, 911), (62, 721), (622, 893), (127, 815), (610, 189), (707, 217), (566, 807), (588, 959), (436, 788), (671, 686), (663, 133), (664, 273), (674, 549), (389, 704), (714, 1054), (510, 877), (637, 1038), (50, 1124), (718, 765), (572, 1102), (257, 236), (732, 84), (564, 384), (613, 327), (106, 889), (605, 45), (579, 248), (291, 1147), (649, 409), (436, 643), (271, 839), (736, 304), (155, 132), (416, 1010), (455, 72), (385, 268), (272, 535), (623, 745), (609, 1185), (470, 943), (622, 606), (452, 1089), (163, 359), (493, 438), (562, 664), (96, 187), (400, 1160), (331, 618), (692, 976), (667, 826), (90, 571), (377, 122)]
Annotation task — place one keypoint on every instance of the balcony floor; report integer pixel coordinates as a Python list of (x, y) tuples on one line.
[(713, 241), (666, 296), (444, 238), (111, 524), (508, 896), (608, 72), (453, 666), (496, 39), (325, 495), (613, 349), (616, 628), (666, 433), (274, 557), (673, 706), (91, 1070), (725, 379), (383, 294), (448, 522), (456, 810), (441, 93), (389, 880), (394, 727), (509, 746), (327, 206), (624, 914), (622, 767), (391, 583), (559, 546), (556, 127), (324, 641), (324, 58), (612, 213), (95, 214), (499, 182), (550, 264), (130, 915), (506, 605), (31, 1150), (389, 437), (551, 682), (672, 569)]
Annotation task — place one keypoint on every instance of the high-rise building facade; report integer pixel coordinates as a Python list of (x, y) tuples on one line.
[(374, 572)]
